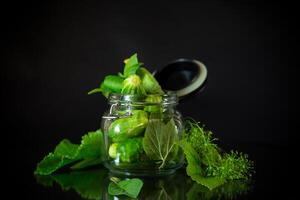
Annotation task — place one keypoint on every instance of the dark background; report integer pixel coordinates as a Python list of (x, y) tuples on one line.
[(55, 52)]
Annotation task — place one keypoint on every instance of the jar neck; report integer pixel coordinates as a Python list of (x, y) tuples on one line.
[(166, 100)]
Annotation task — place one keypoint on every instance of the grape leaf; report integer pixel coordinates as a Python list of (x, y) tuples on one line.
[(159, 140), (66, 153), (130, 187)]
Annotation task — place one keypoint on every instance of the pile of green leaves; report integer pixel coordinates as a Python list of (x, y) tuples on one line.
[(86, 154), (206, 164), (135, 79)]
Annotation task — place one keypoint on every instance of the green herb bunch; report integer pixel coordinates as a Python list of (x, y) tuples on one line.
[(212, 162)]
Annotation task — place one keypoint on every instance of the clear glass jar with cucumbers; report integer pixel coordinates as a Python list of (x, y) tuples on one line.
[(141, 134)]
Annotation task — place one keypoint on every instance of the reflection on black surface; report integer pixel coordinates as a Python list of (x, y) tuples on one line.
[(92, 184), (88, 184), (230, 190)]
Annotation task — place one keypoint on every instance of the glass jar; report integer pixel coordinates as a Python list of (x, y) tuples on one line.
[(141, 135)]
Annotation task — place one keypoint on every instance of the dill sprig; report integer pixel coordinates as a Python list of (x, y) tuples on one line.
[(214, 162)]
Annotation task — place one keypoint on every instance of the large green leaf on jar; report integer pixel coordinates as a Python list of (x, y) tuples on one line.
[(160, 141)]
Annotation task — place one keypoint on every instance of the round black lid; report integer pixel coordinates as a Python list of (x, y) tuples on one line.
[(185, 77)]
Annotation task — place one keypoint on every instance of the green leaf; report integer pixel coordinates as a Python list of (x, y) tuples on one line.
[(159, 140), (90, 146), (131, 70), (131, 65), (105, 90), (114, 189), (51, 163), (130, 187), (194, 169), (66, 148), (113, 83), (66, 153), (87, 163), (110, 84)]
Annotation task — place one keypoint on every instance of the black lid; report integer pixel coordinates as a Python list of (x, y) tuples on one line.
[(185, 77)]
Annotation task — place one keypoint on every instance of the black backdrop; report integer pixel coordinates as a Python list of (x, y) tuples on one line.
[(54, 52)]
